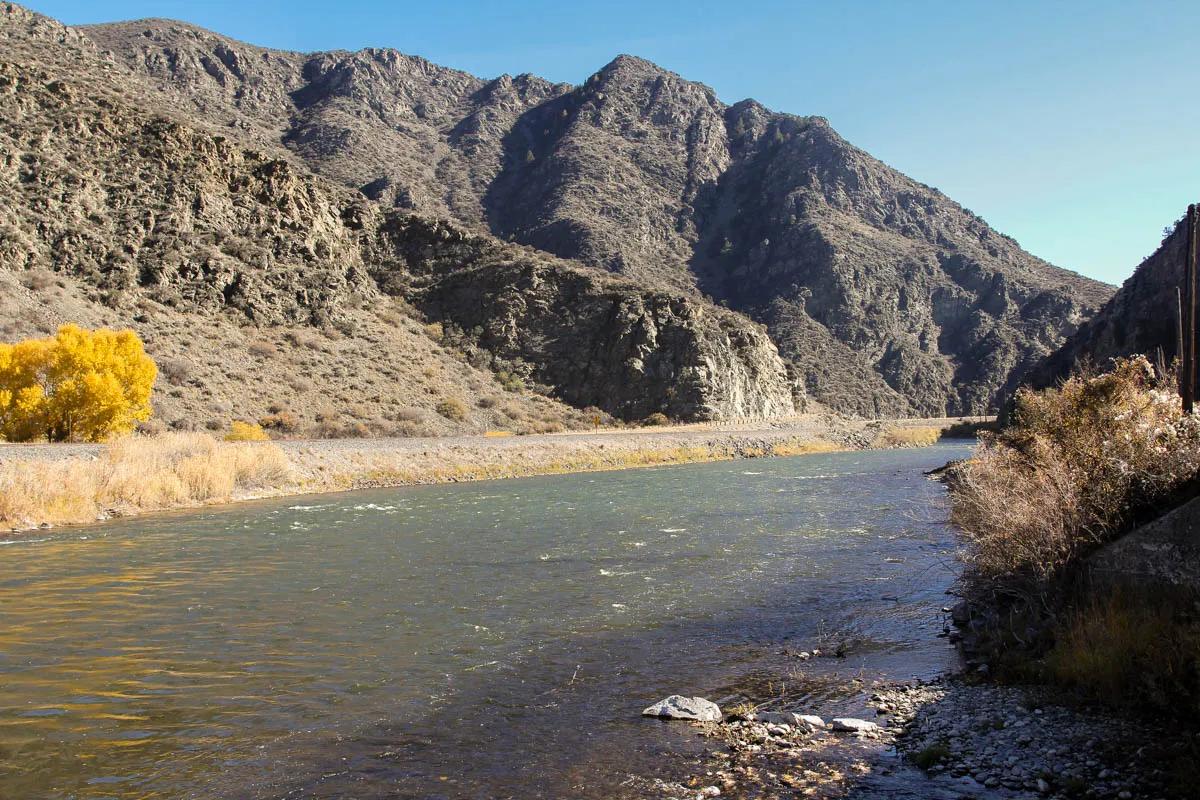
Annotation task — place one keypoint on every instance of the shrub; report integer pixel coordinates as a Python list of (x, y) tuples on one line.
[(452, 409), (263, 349), (240, 431), (80, 385), (37, 279), (656, 419), (932, 755), (175, 370), (283, 421), (510, 382), (1072, 470), (435, 331)]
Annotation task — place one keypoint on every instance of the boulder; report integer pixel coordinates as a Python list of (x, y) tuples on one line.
[(679, 707), (853, 725)]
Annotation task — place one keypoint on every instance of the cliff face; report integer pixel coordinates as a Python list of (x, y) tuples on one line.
[(206, 244), (597, 339), (1140, 318)]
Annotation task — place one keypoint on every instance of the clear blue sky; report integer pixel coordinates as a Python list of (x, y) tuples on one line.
[(1072, 126)]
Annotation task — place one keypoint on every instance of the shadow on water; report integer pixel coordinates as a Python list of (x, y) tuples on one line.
[(486, 641)]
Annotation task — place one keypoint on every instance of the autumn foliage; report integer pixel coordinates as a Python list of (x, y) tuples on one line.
[(80, 385)]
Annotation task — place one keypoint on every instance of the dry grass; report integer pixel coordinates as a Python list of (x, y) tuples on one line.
[(136, 475), (1072, 471), (1133, 648), (907, 437)]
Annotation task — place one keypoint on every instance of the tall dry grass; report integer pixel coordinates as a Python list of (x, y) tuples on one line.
[(1075, 467), (908, 436), (138, 474)]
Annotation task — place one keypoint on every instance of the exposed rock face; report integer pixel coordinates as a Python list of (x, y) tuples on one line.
[(598, 339), (148, 213), (1140, 318), (883, 296)]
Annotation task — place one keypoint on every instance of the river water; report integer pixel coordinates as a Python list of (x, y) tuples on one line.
[(478, 640)]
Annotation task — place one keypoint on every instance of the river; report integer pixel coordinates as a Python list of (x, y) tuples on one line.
[(480, 640)]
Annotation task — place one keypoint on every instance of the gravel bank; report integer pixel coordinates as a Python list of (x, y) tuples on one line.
[(946, 738)]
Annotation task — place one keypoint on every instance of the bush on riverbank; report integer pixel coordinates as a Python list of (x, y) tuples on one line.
[(137, 474), (1074, 469), (1078, 466)]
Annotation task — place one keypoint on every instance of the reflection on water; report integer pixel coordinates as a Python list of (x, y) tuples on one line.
[(485, 640)]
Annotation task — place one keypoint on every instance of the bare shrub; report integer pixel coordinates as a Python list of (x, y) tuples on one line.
[(263, 349), (283, 421), (175, 370), (410, 414), (452, 409), (656, 419), (1072, 471), (37, 279)]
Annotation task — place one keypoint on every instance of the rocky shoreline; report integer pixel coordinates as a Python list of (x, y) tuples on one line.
[(950, 737)]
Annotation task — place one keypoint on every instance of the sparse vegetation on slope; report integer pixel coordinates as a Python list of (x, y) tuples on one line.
[(885, 296)]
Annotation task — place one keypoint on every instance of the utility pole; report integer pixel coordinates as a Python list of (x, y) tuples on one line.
[(1189, 311)]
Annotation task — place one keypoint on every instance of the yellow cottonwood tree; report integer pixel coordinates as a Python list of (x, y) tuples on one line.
[(80, 385)]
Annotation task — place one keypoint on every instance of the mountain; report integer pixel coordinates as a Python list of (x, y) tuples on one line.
[(264, 290), (1141, 318), (883, 296)]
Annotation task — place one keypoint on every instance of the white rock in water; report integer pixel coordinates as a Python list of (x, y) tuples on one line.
[(680, 707), (855, 725), (805, 722)]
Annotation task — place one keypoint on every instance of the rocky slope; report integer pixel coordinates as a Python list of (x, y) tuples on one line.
[(884, 295), (116, 212), (1140, 318)]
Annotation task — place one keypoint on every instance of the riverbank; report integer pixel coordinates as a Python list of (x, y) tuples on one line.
[(56, 484), (946, 738)]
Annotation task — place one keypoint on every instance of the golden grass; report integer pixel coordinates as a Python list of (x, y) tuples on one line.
[(387, 471), (1072, 471), (135, 475), (497, 434), (905, 436)]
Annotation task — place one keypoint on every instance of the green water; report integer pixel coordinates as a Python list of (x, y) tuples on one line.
[(485, 640)]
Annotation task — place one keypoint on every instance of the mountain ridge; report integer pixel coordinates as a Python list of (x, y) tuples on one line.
[(886, 297)]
